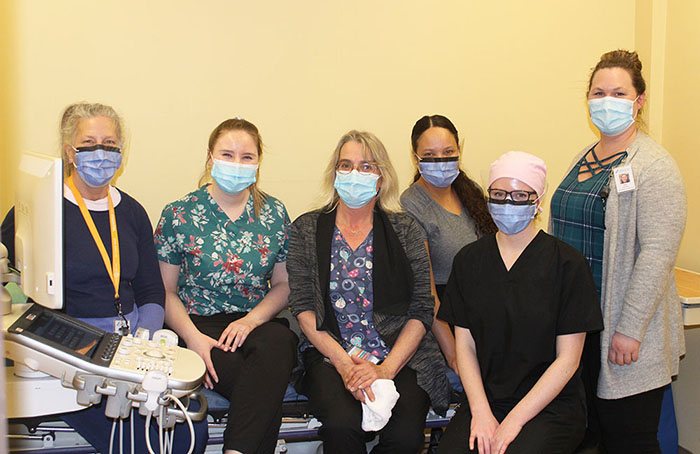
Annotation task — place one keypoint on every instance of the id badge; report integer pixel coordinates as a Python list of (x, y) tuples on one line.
[(363, 354), (119, 325), (624, 179)]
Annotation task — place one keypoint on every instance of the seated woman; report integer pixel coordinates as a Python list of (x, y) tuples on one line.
[(359, 279), (96, 216), (449, 205), (223, 252), (521, 302)]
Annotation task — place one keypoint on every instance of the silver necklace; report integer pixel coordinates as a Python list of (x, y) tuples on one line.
[(353, 232)]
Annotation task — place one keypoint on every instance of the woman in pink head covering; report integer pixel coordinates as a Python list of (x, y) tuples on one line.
[(521, 302)]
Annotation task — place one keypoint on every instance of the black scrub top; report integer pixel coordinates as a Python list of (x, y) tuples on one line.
[(515, 315)]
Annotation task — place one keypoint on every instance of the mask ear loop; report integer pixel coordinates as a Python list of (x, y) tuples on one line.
[(634, 117), (419, 159), (539, 197)]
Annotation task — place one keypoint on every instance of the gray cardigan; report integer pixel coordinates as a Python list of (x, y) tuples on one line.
[(643, 230), (306, 295)]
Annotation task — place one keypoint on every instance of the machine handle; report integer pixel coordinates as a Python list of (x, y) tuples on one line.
[(194, 415)]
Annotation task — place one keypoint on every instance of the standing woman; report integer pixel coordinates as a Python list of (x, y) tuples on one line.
[(223, 254), (622, 204), (115, 292), (449, 206), (360, 287)]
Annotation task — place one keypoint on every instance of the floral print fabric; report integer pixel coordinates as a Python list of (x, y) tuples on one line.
[(225, 265), (351, 295)]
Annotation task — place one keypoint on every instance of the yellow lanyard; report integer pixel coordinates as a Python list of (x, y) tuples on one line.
[(114, 270)]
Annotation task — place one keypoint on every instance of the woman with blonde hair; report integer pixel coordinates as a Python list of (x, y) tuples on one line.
[(359, 279), (223, 252)]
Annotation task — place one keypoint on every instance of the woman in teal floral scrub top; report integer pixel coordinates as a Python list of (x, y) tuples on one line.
[(223, 253)]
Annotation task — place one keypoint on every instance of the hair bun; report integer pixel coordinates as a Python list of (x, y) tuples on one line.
[(625, 59)]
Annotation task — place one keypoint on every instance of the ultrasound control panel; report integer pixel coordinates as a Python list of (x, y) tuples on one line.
[(59, 345), (135, 354)]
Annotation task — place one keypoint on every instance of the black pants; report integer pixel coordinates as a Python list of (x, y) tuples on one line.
[(619, 426), (630, 425), (341, 413), (558, 429), (590, 369), (254, 379)]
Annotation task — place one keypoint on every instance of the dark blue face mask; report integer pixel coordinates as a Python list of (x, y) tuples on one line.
[(97, 164), (440, 172)]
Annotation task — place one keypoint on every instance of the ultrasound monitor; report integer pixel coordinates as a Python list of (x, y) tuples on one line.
[(39, 228)]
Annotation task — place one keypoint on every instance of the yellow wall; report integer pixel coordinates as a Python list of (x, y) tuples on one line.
[(6, 165), (510, 74), (649, 42), (8, 101), (680, 124), (680, 120)]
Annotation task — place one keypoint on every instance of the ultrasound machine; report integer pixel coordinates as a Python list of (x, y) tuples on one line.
[(62, 364)]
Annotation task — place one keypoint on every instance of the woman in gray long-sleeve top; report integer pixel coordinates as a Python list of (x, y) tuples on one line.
[(359, 279), (450, 206), (623, 205)]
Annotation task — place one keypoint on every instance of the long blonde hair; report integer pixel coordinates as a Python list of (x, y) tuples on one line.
[(234, 124), (373, 148)]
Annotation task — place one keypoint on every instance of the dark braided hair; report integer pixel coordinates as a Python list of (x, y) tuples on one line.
[(469, 193)]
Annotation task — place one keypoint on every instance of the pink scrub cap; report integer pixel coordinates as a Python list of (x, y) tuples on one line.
[(522, 166)]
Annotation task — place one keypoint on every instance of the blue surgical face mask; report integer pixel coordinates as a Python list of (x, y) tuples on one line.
[(356, 189), (611, 116), (440, 172), (512, 219), (97, 164), (233, 177)]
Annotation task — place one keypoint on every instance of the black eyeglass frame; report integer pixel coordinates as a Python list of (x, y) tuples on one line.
[(98, 147), (508, 198)]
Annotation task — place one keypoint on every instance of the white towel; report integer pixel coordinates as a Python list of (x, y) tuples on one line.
[(376, 414)]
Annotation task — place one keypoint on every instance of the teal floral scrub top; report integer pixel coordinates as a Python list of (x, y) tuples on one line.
[(225, 265)]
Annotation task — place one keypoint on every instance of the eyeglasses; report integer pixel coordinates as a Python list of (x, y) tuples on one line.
[(514, 197), (368, 168)]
